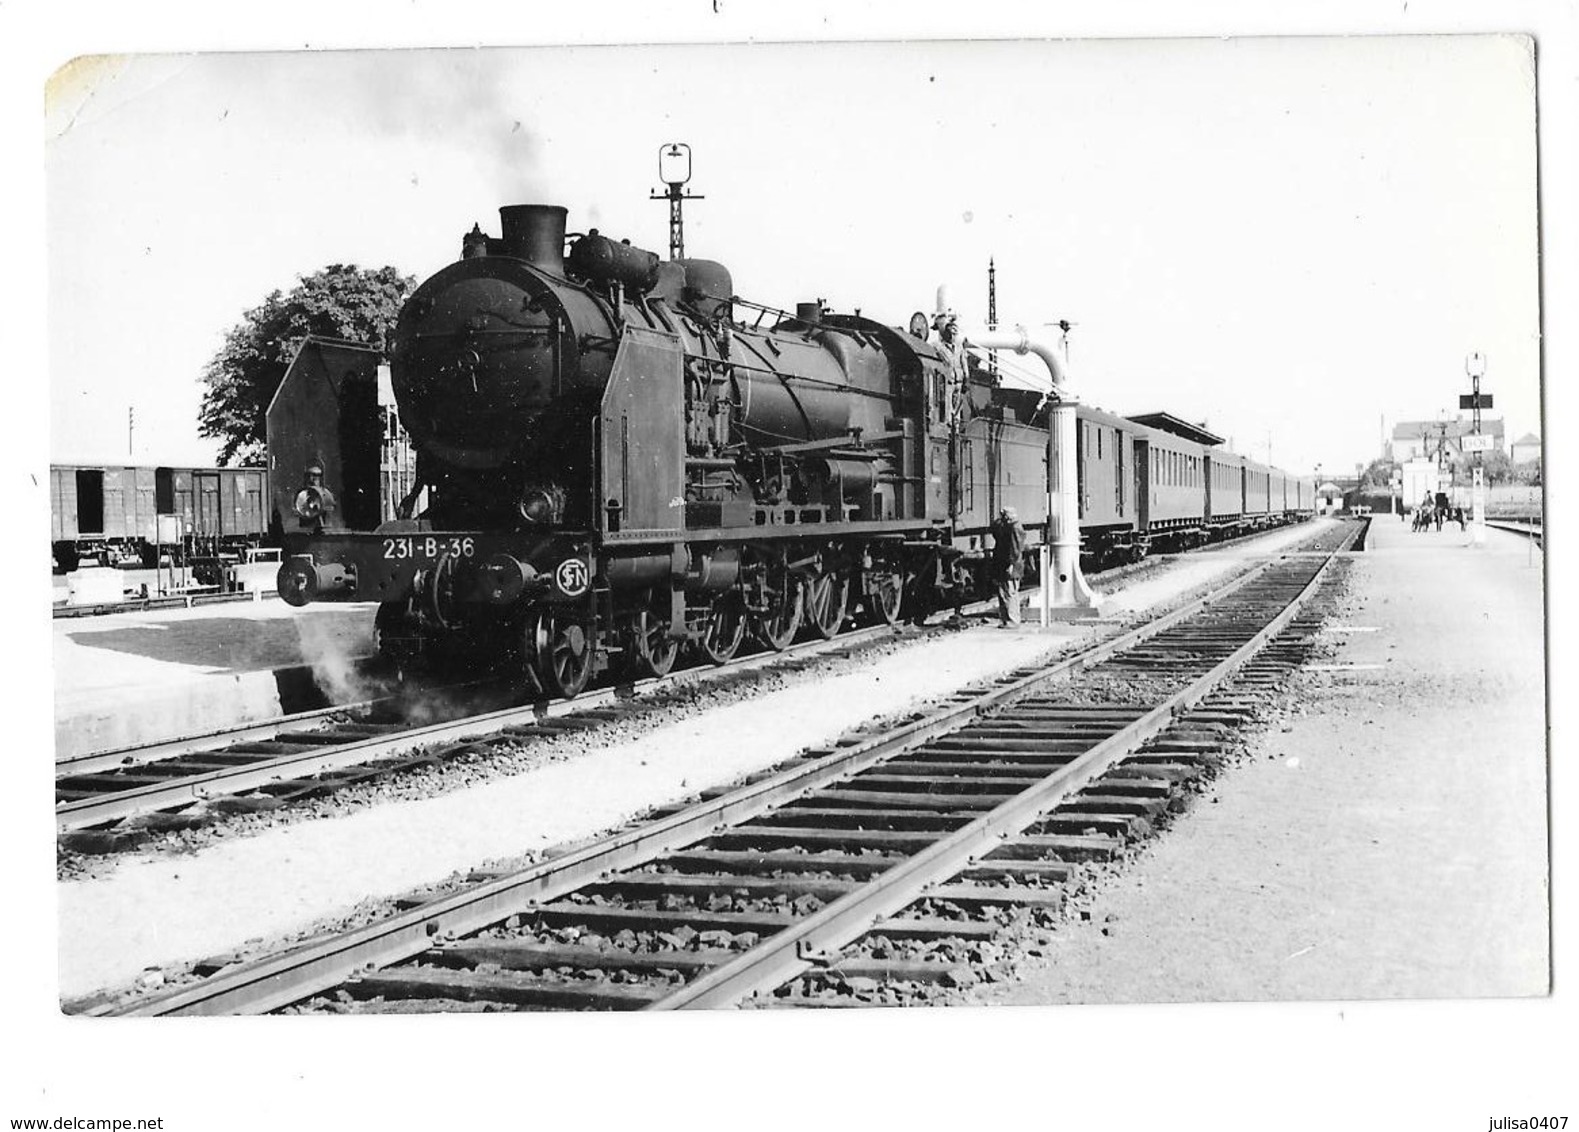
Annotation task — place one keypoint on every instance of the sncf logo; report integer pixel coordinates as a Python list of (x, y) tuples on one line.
[(572, 577)]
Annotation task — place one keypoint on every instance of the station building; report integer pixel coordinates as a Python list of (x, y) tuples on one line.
[(1427, 440)]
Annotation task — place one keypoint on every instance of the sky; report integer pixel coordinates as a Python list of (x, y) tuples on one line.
[(1296, 241)]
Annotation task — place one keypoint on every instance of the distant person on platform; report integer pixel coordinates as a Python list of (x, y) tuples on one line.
[(1458, 513), (1008, 564)]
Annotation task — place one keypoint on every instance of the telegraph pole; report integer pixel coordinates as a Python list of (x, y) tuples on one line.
[(674, 169), (130, 425), (992, 314)]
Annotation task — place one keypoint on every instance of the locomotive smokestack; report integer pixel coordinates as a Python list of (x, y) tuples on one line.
[(535, 233)]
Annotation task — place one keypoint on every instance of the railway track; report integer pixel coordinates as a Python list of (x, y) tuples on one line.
[(259, 766), (1529, 528), (263, 765), (894, 859)]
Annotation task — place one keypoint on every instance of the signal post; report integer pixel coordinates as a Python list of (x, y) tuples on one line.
[(1475, 401)]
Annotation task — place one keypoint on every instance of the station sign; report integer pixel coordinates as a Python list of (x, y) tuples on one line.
[(1477, 442), (1469, 400)]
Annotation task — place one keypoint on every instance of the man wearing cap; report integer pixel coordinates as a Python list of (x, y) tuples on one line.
[(1008, 564), (949, 342)]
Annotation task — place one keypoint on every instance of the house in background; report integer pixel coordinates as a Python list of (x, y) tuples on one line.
[(1421, 440), (1525, 449)]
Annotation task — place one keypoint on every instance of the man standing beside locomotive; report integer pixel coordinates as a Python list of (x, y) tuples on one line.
[(1008, 564)]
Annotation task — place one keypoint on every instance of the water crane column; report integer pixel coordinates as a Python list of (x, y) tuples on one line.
[(1064, 588)]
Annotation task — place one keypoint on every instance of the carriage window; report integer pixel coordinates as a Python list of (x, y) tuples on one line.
[(1099, 442)]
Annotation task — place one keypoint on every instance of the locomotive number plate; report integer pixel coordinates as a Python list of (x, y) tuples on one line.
[(429, 548)]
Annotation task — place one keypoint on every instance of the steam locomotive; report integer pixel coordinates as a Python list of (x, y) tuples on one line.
[(618, 457)]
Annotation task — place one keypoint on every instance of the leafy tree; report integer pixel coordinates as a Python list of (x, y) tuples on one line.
[(340, 301), (1498, 468), (1378, 474)]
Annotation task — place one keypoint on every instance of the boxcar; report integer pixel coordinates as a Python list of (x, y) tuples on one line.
[(105, 514), (110, 514)]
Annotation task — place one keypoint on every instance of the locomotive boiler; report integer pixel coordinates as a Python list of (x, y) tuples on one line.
[(617, 456)]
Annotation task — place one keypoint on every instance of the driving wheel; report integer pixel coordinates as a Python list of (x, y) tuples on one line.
[(652, 649), (885, 595), (562, 651), (777, 625), (827, 600), (723, 631)]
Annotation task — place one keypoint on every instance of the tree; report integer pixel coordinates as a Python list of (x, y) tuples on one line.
[(340, 301), (1378, 475), (1498, 468)]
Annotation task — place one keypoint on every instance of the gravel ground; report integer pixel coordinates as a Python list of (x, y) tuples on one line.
[(273, 879), (1387, 839)]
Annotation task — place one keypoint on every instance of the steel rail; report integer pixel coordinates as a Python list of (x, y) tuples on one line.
[(1529, 529), (276, 981), (175, 748), (798, 948), (190, 789)]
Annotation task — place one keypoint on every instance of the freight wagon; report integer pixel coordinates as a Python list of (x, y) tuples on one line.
[(123, 515)]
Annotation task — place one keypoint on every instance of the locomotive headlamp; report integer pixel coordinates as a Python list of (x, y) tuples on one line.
[(310, 503), (540, 505), (313, 501)]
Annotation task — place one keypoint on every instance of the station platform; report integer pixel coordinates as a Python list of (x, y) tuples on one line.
[(128, 678), (1388, 837)]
